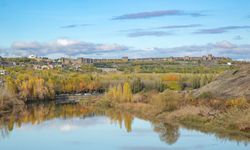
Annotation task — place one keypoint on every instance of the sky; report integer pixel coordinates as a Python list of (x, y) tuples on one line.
[(133, 28)]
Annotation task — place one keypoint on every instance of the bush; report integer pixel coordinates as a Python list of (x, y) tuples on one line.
[(104, 103), (137, 85), (7, 98), (174, 85), (206, 95), (239, 103), (196, 82), (167, 101), (157, 85)]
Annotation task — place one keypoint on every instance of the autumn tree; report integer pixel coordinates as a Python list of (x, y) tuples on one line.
[(127, 92), (120, 93)]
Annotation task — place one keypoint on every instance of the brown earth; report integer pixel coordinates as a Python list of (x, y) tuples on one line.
[(231, 84)]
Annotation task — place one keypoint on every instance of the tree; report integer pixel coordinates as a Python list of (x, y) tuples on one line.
[(11, 85), (119, 93), (137, 85), (24, 90), (51, 88), (127, 92)]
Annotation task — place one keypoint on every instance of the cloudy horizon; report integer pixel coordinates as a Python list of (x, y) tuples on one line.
[(115, 28)]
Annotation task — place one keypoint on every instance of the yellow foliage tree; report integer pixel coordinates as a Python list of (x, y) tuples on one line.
[(120, 93), (127, 92)]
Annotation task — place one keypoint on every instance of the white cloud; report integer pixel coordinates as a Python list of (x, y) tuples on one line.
[(61, 47), (225, 45), (56, 55), (74, 48), (25, 45), (223, 48), (66, 42), (67, 128)]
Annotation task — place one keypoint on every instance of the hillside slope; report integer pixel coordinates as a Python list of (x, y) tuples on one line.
[(231, 84)]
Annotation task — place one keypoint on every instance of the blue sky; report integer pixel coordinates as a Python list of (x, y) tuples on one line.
[(115, 28)]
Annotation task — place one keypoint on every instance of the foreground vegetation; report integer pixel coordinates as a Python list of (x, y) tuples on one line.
[(24, 84)]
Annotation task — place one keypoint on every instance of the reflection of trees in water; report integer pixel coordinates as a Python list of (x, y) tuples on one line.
[(36, 114), (120, 118), (168, 133), (4, 132)]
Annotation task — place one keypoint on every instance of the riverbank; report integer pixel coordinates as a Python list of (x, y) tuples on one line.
[(227, 119), (193, 117), (208, 116)]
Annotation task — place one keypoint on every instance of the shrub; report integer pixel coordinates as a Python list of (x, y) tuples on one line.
[(171, 77), (238, 102), (174, 85), (7, 98), (137, 85), (167, 101), (104, 103), (196, 82), (206, 95)]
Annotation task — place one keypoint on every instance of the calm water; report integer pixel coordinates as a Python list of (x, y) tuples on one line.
[(76, 128)]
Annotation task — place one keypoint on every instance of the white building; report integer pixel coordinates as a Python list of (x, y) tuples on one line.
[(32, 56), (3, 72)]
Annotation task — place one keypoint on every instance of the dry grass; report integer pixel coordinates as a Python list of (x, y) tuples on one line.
[(234, 118), (238, 102), (187, 111), (7, 99), (209, 115)]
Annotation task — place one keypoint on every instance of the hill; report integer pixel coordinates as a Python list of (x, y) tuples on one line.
[(231, 84)]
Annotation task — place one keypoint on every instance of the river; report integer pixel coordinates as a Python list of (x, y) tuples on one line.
[(73, 127)]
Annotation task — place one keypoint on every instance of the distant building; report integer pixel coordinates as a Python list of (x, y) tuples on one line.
[(3, 72), (43, 67), (65, 61), (208, 59), (32, 56), (186, 58), (108, 69), (125, 59)]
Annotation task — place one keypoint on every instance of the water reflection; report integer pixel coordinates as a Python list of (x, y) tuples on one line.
[(123, 119), (37, 114), (168, 133)]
